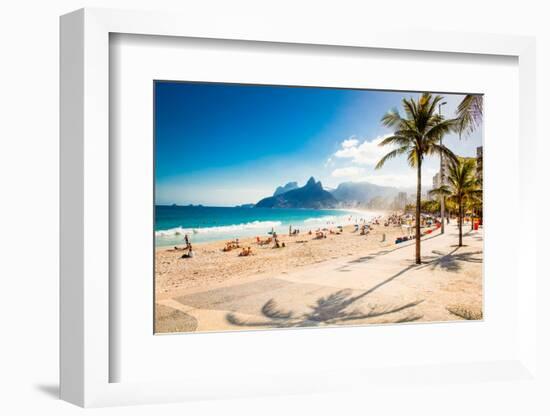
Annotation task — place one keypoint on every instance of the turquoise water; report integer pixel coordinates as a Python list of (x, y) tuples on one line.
[(201, 224)]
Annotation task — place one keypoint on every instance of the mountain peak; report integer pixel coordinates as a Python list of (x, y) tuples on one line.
[(311, 181), (288, 187), (311, 195)]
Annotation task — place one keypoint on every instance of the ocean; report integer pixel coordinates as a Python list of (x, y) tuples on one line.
[(202, 224)]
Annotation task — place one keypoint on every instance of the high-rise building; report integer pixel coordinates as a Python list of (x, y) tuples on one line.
[(400, 201), (479, 164), (446, 168), (436, 180)]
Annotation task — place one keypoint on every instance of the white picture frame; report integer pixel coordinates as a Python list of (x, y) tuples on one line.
[(85, 211)]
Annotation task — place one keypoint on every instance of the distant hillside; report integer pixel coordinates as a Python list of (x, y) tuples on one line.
[(288, 187), (311, 195), (352, 193)]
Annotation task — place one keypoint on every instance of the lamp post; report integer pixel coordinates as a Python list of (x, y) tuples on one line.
[(441, 178)]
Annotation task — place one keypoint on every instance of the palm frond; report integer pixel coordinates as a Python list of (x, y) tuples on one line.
[(462, 180), (397, 140), (392, 118), (441, 128), (444, 151), (469, 114), (394, 153), (412, 158), (433, 105), (442, 190), (411, 109)]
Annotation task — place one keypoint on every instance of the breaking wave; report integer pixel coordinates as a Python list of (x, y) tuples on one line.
[(179, 231)]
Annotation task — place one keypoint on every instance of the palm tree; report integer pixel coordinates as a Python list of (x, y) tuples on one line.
[(463, 188), (416, 135), (469, 114), (430, 206), (469, 117)]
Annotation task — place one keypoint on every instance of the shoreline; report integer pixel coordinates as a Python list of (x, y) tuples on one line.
[(232, 231), (212, 266)]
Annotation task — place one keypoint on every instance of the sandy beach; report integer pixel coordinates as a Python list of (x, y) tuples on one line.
[(211, 265), (344, 278)]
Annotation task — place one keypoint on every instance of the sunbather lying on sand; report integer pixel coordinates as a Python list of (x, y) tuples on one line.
[(261, 242), (246, 251), (230, 245)]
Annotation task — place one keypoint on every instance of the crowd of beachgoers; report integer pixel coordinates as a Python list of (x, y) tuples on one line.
[(362, 227), (196, 264)]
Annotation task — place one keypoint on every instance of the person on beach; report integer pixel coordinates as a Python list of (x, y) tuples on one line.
[(246, 251), (186, 240), (190, 254)]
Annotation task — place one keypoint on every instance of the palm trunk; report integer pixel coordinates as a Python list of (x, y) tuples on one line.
[(460, 217), (418, 198)]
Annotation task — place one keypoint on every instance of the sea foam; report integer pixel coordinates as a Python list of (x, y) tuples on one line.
[(218, 230)]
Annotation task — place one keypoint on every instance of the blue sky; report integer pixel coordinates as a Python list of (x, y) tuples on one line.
[(229, 144)]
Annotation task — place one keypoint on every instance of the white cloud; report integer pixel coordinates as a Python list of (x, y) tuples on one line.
[(351, 171), (355, 160), (351, 142), (329, 162), (365, 153)]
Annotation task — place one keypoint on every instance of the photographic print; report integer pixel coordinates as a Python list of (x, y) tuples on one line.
[(305, 207)]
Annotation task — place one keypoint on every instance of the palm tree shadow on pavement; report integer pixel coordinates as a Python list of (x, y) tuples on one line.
[(335, 308), (385, 251), (452, 261)]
